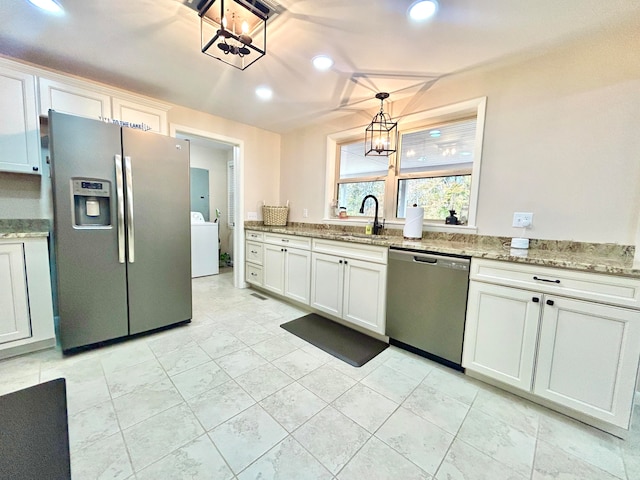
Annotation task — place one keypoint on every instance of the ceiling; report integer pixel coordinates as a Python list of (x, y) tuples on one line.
[(152, 47)]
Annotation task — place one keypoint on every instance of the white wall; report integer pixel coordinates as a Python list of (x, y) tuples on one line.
[(215, 161), (561, 141)]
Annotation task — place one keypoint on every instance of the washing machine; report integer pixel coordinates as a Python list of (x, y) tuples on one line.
[(204, 246)]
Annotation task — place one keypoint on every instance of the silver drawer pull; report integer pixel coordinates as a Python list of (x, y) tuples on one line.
[(545, 280), (254, 252), (285, 239)]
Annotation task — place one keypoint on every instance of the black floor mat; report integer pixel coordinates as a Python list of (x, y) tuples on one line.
[(348, 345)]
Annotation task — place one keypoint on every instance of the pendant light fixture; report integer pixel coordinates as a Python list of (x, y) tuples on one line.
[(237, 30), (381, 134)]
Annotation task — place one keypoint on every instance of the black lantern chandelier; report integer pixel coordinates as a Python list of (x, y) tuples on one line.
[(381, 134), (237, 31)]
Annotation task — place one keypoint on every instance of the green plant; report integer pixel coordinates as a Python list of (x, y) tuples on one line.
[(225, 259)]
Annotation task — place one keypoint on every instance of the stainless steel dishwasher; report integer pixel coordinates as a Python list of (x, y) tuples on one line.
[(427, 303)]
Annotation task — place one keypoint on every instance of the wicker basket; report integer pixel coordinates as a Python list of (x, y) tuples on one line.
[(275, 216)]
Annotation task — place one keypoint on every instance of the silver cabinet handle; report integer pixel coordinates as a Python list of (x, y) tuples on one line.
[(120, 207), (130, 232)]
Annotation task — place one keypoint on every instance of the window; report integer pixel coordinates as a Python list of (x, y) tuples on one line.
[(437, 167)]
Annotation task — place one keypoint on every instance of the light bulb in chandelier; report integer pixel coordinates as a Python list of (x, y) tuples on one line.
[(244, 37)]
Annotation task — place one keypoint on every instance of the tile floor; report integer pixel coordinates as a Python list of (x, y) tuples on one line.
[(234, 396)]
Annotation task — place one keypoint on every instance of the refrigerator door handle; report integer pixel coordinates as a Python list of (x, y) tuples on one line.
[(120, 207), (130, 233)]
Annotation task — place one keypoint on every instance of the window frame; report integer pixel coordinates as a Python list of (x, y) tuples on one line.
[(410, 123)]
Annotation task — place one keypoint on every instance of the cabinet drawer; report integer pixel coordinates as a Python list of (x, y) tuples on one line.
[(595, 287), (254, 252), (251, 235), (371, 253), (253, 273), (288, 241)]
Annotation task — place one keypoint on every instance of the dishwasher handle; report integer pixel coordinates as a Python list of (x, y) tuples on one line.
[(428, 259)]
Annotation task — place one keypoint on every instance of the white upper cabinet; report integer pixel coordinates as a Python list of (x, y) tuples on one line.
[(140, 113), (73, 99), (19, 136)]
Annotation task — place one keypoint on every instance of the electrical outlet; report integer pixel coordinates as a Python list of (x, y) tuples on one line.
[(305, 212), (252, 215), (521, 220)]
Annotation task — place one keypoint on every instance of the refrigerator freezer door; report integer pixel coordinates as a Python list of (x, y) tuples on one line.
[(92, 295), (160, 277)]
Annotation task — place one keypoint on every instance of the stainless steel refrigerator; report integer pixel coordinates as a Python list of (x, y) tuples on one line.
[(121, 230)]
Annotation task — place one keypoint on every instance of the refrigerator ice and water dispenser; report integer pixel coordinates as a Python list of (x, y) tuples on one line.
[(91, 202)]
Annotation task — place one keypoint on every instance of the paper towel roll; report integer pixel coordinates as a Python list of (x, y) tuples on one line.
[(413, 223)]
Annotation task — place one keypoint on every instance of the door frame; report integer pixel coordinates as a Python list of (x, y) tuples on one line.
[(238, 161)]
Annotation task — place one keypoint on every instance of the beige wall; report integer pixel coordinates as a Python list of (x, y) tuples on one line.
[(562, 140), (261, 163)]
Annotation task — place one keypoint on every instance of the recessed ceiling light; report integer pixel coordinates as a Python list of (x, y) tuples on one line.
[(48, 5), (423, 9), (264, 93), (322, 62), (434, 133)]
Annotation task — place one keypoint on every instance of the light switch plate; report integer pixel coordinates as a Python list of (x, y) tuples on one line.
[(521, 219), (252, 215)]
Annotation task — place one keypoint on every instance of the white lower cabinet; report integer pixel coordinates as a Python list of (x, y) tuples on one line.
[(572, 352), (14, 314), (287, 271), (588, 358), (349, 288), (26, 313)]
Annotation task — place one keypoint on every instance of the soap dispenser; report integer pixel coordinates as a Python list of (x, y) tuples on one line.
[(368, 230)]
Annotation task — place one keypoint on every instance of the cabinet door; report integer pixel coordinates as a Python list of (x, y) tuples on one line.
[(327, 280), (19, 137), (14, 314), (501, 332), (297, 273), (365, 287), (588, 358), (74, 100), (134, 112), (273, 269)]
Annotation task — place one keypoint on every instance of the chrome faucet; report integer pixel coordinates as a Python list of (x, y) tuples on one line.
[(377, 227)]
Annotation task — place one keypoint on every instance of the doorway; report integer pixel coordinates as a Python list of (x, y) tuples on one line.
[(222, 157)]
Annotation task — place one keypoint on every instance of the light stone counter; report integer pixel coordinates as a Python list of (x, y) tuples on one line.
[(592, 257), (24, 228)]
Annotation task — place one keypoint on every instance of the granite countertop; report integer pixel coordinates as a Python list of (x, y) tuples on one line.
[(592, 257), (24, 228)]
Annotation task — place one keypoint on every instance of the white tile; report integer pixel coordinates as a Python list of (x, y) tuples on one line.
[(221, 343), (454, 384), (145, 402), (551, 464), (199, 379), (594, 446), (152, 439), (171, 340), (379, 461), (367, 408), (508, 445), (332, 438), (327, 382), (273, 348), (242, 361), (87, 393), (286, 461), (253, 334), (15, 383), (409, 364), (125, 355), (220, 403), (106, 459), (91, 425), (292, 406), (183, 359), (198, 459), (246, 437), (79, 371), (126, 380), (422, 442), (390, 383), (297, 364), (463, 462), (263, 381), (504, 406), (446, 412)]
